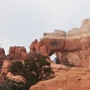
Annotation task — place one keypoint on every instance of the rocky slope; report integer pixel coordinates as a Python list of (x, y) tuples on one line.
[(66, 79)]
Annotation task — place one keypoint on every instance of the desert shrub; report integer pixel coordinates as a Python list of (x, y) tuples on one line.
[(11, 85), (34, 69)]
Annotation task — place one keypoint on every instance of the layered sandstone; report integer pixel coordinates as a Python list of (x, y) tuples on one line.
[(73, 45)]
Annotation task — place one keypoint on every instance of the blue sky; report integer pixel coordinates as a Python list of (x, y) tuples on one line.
[(22, 21)]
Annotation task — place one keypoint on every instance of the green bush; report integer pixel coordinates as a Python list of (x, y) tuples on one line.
[(11, 85), (34, 69)]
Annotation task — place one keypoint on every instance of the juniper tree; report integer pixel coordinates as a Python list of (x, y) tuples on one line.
[(34, 69)]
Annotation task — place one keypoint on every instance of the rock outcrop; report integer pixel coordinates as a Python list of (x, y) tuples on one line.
[(66, 79), (2, 54), (5, 67), (17, 78), (17, 53), (73, 45), (5, 72)]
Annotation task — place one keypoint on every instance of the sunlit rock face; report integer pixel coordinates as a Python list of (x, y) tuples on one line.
[(73, 45), (18, 53), (17, 78), (66, 79), (32, 46), (5, 67)]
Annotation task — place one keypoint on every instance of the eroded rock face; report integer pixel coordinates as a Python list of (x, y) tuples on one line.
[(50, 43), (73, 45), (18, 53), (9, 75), (66, 79), (5, 67), (17, 78), (2, 54), (32, 46)]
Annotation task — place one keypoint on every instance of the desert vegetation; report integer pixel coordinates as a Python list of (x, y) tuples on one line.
[(34, 69)]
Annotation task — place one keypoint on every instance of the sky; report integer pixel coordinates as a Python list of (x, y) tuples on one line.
[(22, 21)]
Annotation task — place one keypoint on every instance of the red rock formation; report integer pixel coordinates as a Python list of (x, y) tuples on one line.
[(50, 43), (2, 54), (5, 67), (73, 45), (18, 53), (32, 46), (66, 79)]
